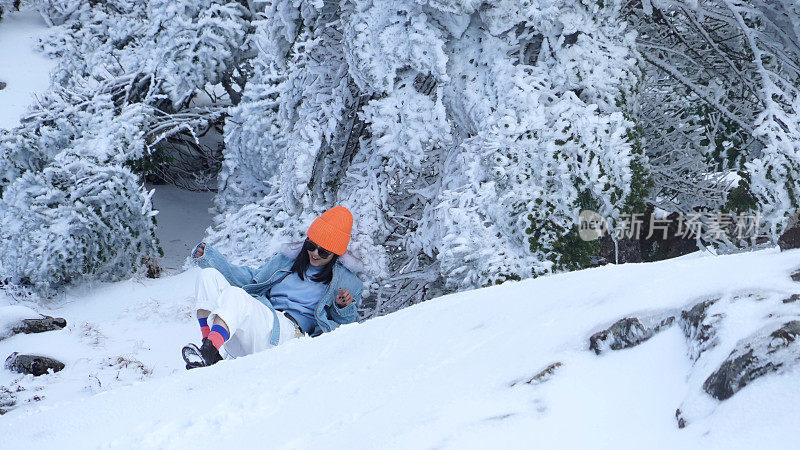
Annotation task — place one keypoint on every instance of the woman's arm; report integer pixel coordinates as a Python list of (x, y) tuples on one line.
[(210, 257), (349, 312)]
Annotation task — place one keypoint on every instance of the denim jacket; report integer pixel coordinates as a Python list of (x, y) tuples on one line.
[(258, 282)]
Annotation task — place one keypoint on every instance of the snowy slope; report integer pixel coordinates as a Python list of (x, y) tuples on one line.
[(22, 68), (448, 373)]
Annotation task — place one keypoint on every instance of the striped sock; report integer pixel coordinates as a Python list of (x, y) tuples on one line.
[(218, 336), (204, 327)]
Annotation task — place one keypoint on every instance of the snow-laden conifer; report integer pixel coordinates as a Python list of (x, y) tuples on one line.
[(464, 136), (126, 76), (84, 216), (720, 105), (194, 43)]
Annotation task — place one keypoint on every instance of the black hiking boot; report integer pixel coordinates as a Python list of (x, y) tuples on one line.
[(204, 356)]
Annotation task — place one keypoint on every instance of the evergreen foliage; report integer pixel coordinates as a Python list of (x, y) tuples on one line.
[(126, 74), (465, 135), (720, 106), (455, 131)]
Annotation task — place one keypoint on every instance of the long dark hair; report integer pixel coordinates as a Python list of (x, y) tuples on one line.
[(302, 261)]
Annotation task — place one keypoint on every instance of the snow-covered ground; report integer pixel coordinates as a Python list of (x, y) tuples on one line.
[(24, 70), (447, 373)]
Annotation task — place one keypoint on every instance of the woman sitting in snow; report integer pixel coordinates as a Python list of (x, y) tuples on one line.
[(300, 291)]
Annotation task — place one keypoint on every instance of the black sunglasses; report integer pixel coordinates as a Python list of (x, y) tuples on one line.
[(310, 246)]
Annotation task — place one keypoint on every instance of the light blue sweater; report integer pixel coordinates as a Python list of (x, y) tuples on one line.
[(299, 297)]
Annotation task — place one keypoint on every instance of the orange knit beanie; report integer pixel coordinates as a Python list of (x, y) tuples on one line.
[(331, 230)]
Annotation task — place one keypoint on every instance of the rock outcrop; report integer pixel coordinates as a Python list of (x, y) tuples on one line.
[(33, 364), (753, 357), (628, 332), (46, 323), (737, 358), (699, 327), (712, 343), (15, 320), (540, 377), (791, 236)]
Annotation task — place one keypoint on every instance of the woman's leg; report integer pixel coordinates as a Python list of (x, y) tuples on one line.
[(210, 284), (248, 322)]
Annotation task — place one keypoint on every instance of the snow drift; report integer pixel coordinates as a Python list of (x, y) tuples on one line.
[(506, 366)]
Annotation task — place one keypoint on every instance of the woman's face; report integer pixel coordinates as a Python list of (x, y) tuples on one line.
[(314, 258)]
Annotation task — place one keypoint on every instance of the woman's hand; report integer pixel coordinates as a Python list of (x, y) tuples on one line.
[(343, 298), (199, 250)]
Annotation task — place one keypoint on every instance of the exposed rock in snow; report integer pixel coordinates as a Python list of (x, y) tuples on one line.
[(796, 275), (40, 325), (755, 356), (734, 340), (541, 377), (21, 320), (33, 364), (699, 327), (628, 332), (12, 317), (791, 237)]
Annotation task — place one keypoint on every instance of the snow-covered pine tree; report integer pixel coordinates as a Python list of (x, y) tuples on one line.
[(84, 216), (194, 43), (720, 98), (546, 134), (464, 136), (126, 74)]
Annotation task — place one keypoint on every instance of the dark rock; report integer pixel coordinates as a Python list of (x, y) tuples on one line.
[(32, 364), (626, 333), (2, 85), (792, 299), (791, 236), (699, 327), (796, 275), (790, 239), (754, 357), (540, 377), (679, 417), (46, 323), (500, 417)]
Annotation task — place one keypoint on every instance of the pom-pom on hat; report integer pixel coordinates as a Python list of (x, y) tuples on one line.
[(331, 230)]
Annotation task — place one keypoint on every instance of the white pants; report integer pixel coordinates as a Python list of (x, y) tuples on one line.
[(249, 321)]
